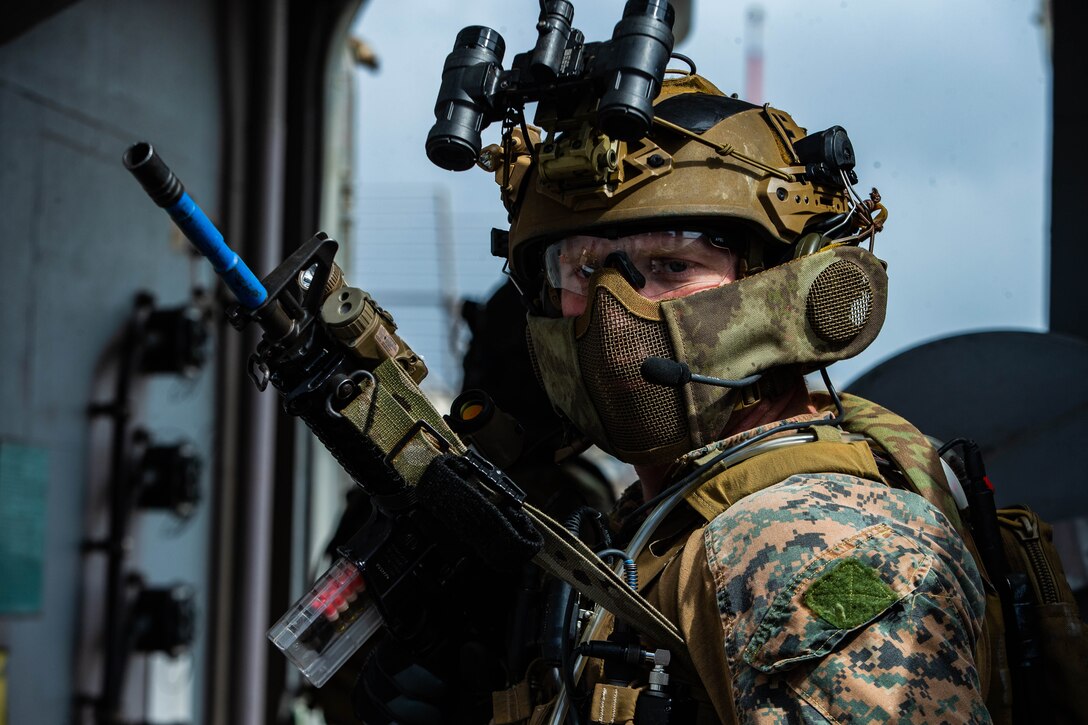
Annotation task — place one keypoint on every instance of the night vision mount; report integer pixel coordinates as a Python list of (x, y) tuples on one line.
[(611, 83)]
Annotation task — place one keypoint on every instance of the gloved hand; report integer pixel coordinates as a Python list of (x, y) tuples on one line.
[(394, 687), (451, 683)]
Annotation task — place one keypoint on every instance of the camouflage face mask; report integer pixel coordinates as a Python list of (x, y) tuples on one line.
[(810, 312)]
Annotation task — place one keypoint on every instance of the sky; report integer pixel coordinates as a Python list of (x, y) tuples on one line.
[(947, 105)]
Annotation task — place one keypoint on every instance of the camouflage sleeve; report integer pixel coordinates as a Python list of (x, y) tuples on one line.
[(843, 600)]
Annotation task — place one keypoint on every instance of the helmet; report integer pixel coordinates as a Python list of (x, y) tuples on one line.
[(747, 176)]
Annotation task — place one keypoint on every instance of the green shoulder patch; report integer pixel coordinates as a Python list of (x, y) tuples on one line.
[(850, 594)]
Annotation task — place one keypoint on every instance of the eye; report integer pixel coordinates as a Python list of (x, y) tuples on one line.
[(671, 266)]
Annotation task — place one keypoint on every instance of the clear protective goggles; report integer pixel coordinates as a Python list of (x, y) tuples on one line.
[(671, 263)]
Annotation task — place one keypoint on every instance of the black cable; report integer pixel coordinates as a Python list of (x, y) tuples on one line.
[(584, 515), (840, 412), (515, 208), (575, 523), (507, 147), (683, 58), (525, 133), (828, 225), (950, 444), (566, 666)]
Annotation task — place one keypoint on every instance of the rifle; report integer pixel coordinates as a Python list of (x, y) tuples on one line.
[(337, 361), (444, 519)]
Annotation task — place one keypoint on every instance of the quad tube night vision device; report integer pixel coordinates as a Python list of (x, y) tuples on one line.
[(614, 81)]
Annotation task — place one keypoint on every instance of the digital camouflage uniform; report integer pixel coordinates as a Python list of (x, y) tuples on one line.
[(744, 579)]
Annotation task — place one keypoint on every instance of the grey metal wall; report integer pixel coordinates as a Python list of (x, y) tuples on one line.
[(79, 239)]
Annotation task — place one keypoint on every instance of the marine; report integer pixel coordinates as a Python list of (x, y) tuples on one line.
[(827, 595)]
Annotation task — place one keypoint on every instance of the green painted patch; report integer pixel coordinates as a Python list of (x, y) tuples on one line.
[(849, 595)]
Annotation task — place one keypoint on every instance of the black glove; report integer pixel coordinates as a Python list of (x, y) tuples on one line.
[(394, 687), (451, 683), (501, 536)]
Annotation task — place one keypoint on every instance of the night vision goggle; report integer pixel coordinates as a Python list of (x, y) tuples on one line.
[(612, 83)]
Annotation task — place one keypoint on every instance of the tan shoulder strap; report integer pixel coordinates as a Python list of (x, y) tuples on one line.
[(730, 484), (910, 451)]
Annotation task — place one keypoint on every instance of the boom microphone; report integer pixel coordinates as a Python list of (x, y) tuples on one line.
[(673, 374), (661, 371)]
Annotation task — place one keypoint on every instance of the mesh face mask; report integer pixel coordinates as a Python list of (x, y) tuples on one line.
[(810, 312), (622, 331)]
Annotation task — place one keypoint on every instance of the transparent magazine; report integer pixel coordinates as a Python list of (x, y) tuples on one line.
[(327, 625)]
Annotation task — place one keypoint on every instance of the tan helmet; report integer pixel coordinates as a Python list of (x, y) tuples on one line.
[(711, 161)]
